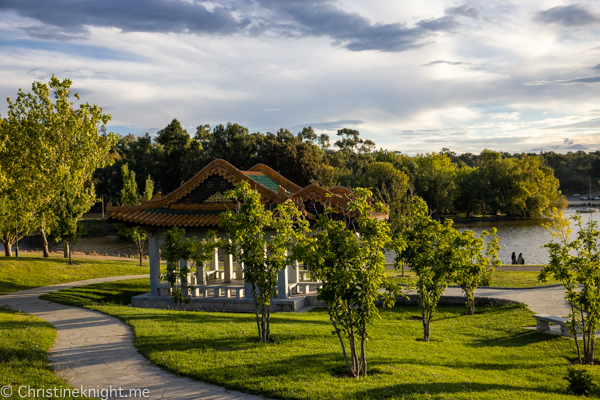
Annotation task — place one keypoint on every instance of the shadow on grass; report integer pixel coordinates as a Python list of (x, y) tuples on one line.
[(435, 388), (520, 339)]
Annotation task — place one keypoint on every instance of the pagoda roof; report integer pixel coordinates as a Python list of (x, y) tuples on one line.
[(199, 202)]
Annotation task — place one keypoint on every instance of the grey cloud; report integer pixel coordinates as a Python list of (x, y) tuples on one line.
[(333, 124), (586, 80), (468, 64), (596, 68), (592, 123), (465, 10), (72, 17), (569, 16), (436, 62), (68, 20)]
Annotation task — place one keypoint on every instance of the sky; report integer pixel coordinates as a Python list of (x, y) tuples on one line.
[(516, 76)]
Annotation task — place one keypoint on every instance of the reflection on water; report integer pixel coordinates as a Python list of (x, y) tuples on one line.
[(522, 236), (525, 236)]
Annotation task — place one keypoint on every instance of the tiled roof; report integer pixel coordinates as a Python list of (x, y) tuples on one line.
[(263, 180), (176, 209)]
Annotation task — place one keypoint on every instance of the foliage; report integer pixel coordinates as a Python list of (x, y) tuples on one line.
[(576, 265), (148, 189), (181, 254), (69, 206), (262, 254), (348, 257), (474, 262), (129, 193), (581, 382), (428, 248), (50, 142)]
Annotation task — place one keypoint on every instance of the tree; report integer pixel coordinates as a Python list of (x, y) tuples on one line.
[(576, 265), (182, 254), (176, 143), (130, 197), (52, 150), (356, 151), (428, 248), (262, 254), (68, 208), (474, 262), (348, 257)]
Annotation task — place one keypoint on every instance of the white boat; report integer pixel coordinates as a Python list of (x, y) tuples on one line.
[(588, 210)]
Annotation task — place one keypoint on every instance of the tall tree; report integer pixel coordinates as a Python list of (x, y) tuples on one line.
[(50, 142), (176, 143)]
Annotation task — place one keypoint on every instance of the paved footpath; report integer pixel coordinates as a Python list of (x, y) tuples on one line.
[(93, 350)]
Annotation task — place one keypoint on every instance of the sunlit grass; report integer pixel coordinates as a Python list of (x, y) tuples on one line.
[(490, 355)]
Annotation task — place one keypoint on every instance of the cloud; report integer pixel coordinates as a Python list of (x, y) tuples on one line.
[(589, 80), (468, 64), (65, 20), (568, 141), (573, 15), (332, 125), (592, 123), (596, 68)]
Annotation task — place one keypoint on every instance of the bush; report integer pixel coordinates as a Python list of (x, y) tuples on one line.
[(581, 382)]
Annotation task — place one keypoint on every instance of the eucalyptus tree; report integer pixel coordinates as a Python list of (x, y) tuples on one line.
[(576, 265), (262, 253), (348, 257)]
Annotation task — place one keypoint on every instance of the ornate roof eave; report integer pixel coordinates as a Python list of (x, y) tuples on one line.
[(276, 177), (219, 167)]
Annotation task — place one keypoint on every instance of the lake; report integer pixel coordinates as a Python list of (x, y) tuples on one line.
[(521, 236)]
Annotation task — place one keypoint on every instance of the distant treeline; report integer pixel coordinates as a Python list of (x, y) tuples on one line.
[(486, 183)]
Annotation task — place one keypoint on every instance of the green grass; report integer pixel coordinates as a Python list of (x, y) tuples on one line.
[(35, 271), (506, 279), (24, 344), (490, 355)]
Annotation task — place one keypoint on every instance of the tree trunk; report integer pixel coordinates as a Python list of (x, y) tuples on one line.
[(426, 329), (44, 242), (471, 303), (66, 250), (7, 245), (69, 250)]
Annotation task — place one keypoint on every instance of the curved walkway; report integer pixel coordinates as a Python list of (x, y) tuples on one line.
[(93, 350)]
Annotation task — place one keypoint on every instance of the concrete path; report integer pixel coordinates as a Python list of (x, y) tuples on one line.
[(95, 351)]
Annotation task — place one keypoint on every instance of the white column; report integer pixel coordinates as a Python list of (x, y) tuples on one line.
[(294, 272), (282, 283), (214, 263), (228, 268), (154, 257), (201, 274)]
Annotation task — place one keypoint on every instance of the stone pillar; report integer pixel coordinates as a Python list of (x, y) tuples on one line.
[(239, 270), (154, 258), (282, 283), (294, 272), (214, 263), (228, 268), (184, 281), (201, 274)]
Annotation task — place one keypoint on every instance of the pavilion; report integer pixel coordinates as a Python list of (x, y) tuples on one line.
[(196, 206)]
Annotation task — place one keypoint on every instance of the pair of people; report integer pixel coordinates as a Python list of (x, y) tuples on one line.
[(517, 260)]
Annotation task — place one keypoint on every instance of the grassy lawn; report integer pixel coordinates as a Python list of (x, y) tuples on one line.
[(35, 271), (499, 278), (491, 355), (24, 344)]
